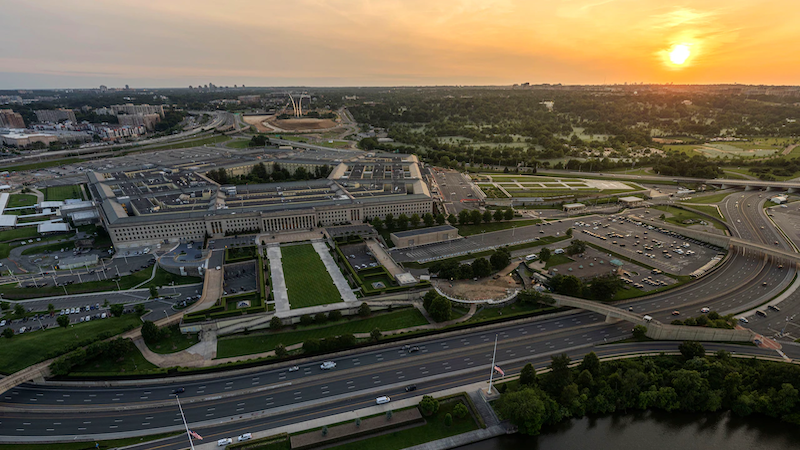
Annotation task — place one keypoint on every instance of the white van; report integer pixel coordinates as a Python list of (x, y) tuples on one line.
[(382, 400), (245, 437), (530, 257), (224, 441), (558, 251)]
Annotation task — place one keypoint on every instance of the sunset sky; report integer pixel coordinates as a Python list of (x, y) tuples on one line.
[(175, 43)]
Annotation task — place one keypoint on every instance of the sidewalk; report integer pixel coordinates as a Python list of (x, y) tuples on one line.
[(333, 270)]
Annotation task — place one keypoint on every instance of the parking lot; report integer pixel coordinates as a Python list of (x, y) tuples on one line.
[(359, 256), (240, 277)]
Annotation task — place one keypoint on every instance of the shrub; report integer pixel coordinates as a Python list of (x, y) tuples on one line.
[(280, 351), (460, 411), (306, 319), (448, 420), (275, 323), (334, 315), (320, 318), (364, 310), (428, 405), (8, 333)]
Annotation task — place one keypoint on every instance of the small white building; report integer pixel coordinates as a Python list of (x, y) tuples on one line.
[(631, 202), (779, 199)]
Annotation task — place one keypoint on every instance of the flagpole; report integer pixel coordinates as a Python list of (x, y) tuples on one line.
[(491, 373), (191, 444)]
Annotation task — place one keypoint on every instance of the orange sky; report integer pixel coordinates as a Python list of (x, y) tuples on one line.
[(80, 43)]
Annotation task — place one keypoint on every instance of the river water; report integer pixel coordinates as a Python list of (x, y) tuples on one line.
[(655, 430)]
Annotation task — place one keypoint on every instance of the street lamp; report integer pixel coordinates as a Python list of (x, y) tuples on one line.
[(188, 435)]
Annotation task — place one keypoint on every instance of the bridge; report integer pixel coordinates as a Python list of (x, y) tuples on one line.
[(655, 329)]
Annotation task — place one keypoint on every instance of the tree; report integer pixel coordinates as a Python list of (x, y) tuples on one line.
[(569, 232), (481, 268), (153, 292), (275, 323), (427, 218), (605, 287), (460, 411), (559, 376), (451, 219), (63, 321), (320, 318), (19, 310), (575, 247), (440, 309), (139, 308), (280, 351), (463, 217), (508, 214), (51, 308), (364, 310), (402, 221), (525, 409), (335, 315), (544, 254), (415, 220), (487, 216), (375, 334), (527, 377), (5, 306), (448, 420), (306, 319), (475, 217), (428, 298), (440, 219), (692, 349), (567, 285), (8, 333), (377, 223), (311, 346), (150, 332), (500, 259), (428, 405), (389, 221), (498, 215), (590, 363), (639, 332), (117, 309)]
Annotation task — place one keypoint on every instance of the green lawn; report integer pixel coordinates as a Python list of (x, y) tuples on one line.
[(258, 343), (238, 254), (433, 429), (514, 309), (131, 362), (556, 260), (55, 247), (56, 193), (307, 281), (18, 233), (468, 230), (192, 143), (173, 341), (27, 349), (17, 200), (715, 198), (162, 278), (679, 215), (708, 209), (43, 164), (238, 143), (104, 445)]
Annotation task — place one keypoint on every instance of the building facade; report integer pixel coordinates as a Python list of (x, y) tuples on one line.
[(55, 115), (10, 119)]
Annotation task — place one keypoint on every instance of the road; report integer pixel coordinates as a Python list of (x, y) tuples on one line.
[(456, 191)]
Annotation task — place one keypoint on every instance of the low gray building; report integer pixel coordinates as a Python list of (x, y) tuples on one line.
[(423, 236)]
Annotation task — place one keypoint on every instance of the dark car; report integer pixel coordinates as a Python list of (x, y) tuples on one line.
[(179, 391), (413, 349), (413, 387)]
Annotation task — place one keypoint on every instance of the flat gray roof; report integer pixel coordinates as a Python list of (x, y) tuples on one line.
[(421, 231)]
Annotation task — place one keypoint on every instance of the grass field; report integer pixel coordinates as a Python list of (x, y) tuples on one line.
[(10, 291), (258, 343), (307, 281), (57, 193), (557, 260), (468, 230), (238, 143), (17, 200), (27, 349), (708, 209), (679, 215), (18, 233), (131, 362), (514, 309), (55, 247), (173, 342), (43, 164), (433, 429), (193, 143), (715, 198)]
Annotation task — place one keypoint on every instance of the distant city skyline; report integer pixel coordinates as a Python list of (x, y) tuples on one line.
[(84, 44)]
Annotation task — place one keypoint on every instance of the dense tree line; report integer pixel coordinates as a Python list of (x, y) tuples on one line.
[(479, 268), (691, 382), (601, 288)]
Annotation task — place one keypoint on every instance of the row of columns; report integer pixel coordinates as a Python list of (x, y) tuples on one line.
[(289, 223)]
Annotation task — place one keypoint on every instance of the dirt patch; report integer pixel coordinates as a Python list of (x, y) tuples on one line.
[(260, 122), (482, 289), (303, 124)]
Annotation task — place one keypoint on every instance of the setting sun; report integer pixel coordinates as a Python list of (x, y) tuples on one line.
[(679, 54)]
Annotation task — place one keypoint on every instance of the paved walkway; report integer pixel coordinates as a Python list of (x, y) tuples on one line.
[(338, 279), (279, 292)]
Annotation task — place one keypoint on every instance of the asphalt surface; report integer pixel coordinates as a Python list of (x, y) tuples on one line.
[(456, 191)]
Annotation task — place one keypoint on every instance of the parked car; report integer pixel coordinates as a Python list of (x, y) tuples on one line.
[(245, 437), (224, 441)]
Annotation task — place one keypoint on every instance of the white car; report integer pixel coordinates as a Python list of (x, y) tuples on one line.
[(224, 441), (705, 310), (245, 437), (294, 369), (327, 365), (2, 323)]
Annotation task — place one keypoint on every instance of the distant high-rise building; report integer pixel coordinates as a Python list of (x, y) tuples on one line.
[(130, 108), (103, 88), (10, 119), (55, 115), (126, 87)]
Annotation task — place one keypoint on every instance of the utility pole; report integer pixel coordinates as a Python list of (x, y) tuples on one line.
[(491, 373)]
